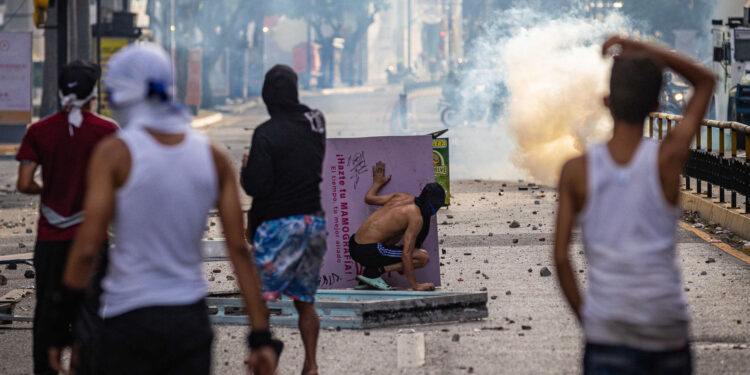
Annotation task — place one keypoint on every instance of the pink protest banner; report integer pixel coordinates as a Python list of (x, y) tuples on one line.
[(347, 175)]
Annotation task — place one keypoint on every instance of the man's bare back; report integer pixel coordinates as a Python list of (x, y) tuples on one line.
[(388, 224)]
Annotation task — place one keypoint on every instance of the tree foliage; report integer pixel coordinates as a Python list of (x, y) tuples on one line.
[(331, 19)]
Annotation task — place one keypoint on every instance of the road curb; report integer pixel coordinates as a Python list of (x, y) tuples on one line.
[(202, 122), (716, 243), (719, 213), (9, 148)]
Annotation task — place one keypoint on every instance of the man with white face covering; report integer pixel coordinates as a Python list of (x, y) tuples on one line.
[(61, 145), (156, 181)]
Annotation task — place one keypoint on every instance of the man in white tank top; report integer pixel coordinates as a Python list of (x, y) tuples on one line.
[(156, 182), (624, 194)]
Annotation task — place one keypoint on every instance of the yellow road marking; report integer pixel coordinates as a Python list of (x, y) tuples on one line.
[(716, 242), (8, 148)]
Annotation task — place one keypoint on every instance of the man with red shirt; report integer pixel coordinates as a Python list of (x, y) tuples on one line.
[(62, 145)]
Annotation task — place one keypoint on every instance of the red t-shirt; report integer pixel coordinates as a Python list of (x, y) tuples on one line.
[(64, 159)]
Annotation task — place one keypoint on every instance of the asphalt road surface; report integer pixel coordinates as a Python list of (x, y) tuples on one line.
[(479, 253)]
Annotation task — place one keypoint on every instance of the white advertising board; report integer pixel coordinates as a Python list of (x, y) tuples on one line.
[(15, 78)]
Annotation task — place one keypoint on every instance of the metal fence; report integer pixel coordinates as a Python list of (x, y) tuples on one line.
[(708, 160)]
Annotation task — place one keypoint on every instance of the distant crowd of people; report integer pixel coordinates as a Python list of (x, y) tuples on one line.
[(133, 302)]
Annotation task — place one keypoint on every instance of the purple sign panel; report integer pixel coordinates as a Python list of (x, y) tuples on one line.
[(347, 175)]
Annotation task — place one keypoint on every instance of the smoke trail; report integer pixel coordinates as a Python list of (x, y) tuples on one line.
[(555, 79)]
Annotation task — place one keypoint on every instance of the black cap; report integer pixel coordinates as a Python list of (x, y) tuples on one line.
[(79, 77)]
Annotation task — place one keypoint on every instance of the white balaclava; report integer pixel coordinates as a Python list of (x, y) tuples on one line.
[(140, 81), (76, 87)]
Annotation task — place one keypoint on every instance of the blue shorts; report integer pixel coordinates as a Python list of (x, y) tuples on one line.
[(289, 253)]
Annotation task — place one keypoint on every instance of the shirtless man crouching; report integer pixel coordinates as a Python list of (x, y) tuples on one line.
[(402, 216)]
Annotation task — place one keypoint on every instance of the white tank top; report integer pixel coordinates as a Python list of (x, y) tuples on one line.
[(160, 216), (634, 294)]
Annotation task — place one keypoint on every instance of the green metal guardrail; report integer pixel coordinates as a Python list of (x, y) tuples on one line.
[(714, 166)]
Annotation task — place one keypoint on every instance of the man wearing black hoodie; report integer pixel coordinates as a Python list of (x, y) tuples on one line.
[(286, 223)]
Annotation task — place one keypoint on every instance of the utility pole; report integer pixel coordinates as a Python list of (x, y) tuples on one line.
[(62, 33), (450, 35), (55, 55), (82, 33), (408, 35)]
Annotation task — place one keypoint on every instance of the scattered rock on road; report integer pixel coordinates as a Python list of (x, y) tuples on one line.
[(29, 274), (526, 328), (544, 272), (507, 293), (456, 338), (704, 273), (710, 260), (514, 224)]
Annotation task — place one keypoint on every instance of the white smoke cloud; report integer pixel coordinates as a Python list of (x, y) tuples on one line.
[(555, 79)]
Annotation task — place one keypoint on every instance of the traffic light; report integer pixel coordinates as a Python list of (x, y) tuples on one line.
[(40, 11)]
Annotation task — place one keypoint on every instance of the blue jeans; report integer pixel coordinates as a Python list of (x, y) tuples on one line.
[(622, 360)]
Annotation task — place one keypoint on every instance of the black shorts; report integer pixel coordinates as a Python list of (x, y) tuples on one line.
[(50, 258), (157, 340), (374, 254)]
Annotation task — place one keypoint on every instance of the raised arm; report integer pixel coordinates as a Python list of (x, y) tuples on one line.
[(378, 181), (566, 213), (263, 360), (678, 141), (675, 148)]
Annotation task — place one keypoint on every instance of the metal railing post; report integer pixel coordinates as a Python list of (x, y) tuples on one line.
[(734, 155), (698, 147), (650, 127), (709, 148), (721, 154), (660, 127)]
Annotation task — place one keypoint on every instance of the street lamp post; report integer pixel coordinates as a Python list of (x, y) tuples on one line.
[(408, 35), (62, 33)]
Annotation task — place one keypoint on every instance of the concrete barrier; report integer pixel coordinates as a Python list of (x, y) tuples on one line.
[(720, 213)]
